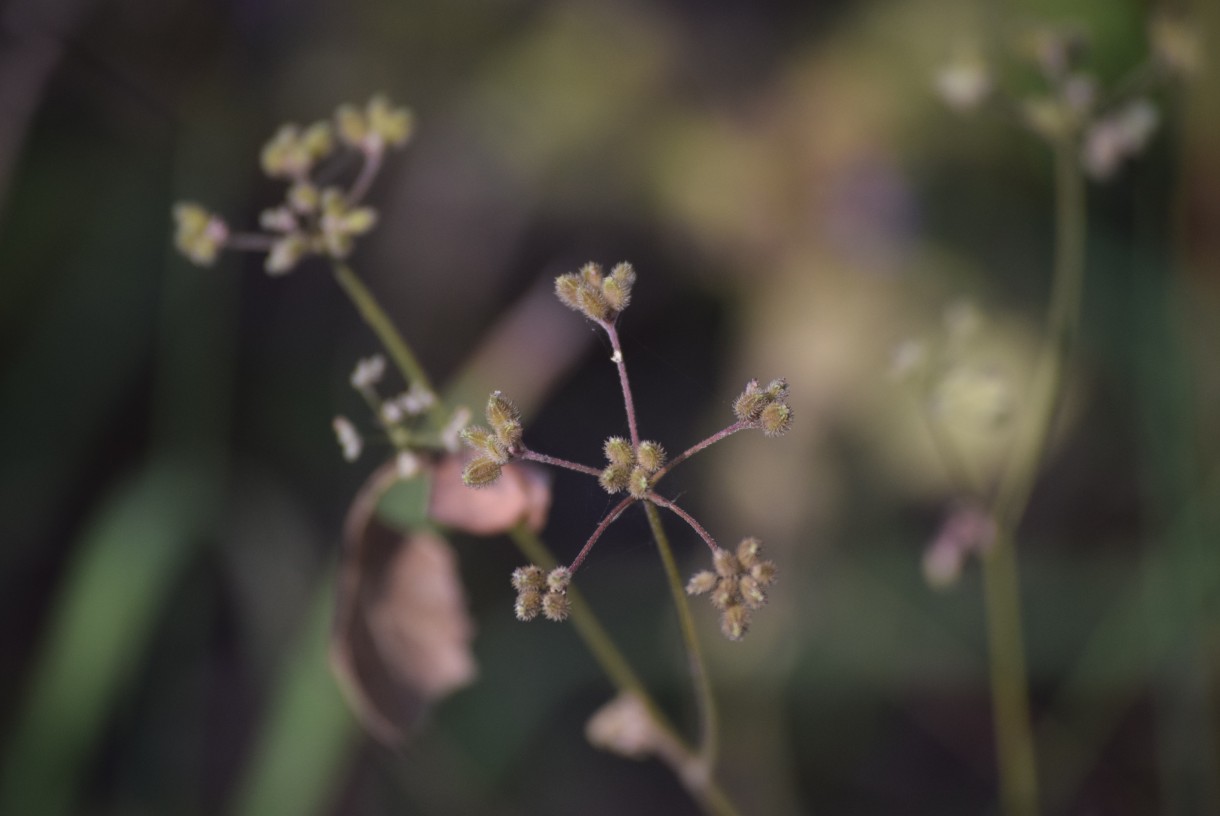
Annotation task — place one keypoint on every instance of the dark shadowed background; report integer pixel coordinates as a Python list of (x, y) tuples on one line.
[(796, 202)]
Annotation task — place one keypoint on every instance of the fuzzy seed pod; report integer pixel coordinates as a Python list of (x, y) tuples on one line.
[(480, 472), (528, 578), (557, 580), (509, 434), (750, 404), (528, 605), (639, 482), (777, 390), (486, 443), (592, 304), (751, 592), (651, 456), (764, 572), (734, 622), (501, 410), (591, 275), (748, 552), (555, 606), (567, 289), (616, 289), (701, 582), (618, 451), (725, 563), (725, 593), (776, 419), (614, 478)]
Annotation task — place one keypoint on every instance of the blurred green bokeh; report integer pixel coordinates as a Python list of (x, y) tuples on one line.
[(796, 201)]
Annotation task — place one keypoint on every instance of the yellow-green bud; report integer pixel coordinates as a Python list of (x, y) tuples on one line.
[(200, 235), (614, 478), (639, 482), (304, 197), (651, 456), (776, 419), (617, 288), (286, 253), (726, 564), (528, 578), (557, 580), (701, 582), (480, 471), (748, 551), (764, 572), (555, 606), (391, 125), (318, 140), (751, 592), (734, 622), (359, 220), (618, 451), (529, 604)]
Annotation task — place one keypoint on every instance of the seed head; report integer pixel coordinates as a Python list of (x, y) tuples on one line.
[(639, 482), (528, 578), (481, 472), (614, 478), (528, 605), (726, 563), (651, 456), (557, 580), (734, 622), (555, 606), (618, 451), (776, 419), (701, 582)]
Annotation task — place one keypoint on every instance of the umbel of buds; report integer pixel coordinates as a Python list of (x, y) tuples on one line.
[(545, 593), (737, 586), (494, 446), (598, 297), (765, 408), (629, 469), (311, 220)]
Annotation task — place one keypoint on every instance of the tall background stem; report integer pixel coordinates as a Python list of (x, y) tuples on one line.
[(1001, 587)]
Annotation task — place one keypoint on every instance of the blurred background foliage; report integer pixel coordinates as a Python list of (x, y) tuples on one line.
[(796, 201)]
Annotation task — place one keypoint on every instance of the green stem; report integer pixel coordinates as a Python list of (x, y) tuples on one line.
[(1009, 680), (377, 320), (690, 638), (693, 772)]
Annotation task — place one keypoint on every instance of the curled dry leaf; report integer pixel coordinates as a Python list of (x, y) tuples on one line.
[(402, 633), (521, 494)]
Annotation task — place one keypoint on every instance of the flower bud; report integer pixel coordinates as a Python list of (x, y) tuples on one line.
[(618, 451), (528, 578), (701, 582), (776, 419), (556, 606), (480, 472), (614, 478), (651, 456), (734, 622), (528, 605)]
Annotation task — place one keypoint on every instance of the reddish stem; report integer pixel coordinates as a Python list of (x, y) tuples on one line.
[(526, 453), (661, 501), (740, 425), (618, 361), (601, 528)]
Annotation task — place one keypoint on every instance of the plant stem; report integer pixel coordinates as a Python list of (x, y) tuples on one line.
[(377, 320), (621, 364), (555, 461), (661, 501), (693, 449), (704, 701), (602, 526), (692, 771), (1001, 587)]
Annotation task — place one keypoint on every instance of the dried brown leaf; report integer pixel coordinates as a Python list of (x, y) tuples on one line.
[(402, 633)]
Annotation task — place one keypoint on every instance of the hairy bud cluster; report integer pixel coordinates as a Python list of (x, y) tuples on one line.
[(542, 593), (631, 469), (765, 408), (597, 296), (737, 586), (494, 446), (311, 220)]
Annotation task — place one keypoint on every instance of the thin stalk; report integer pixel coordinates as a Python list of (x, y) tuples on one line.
[(704, 700), (372, 164), (693, 449), (1001, 587), (555, 461), (602, 526), (661, 501), (690, 770), (377, 320), (621, 364)]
